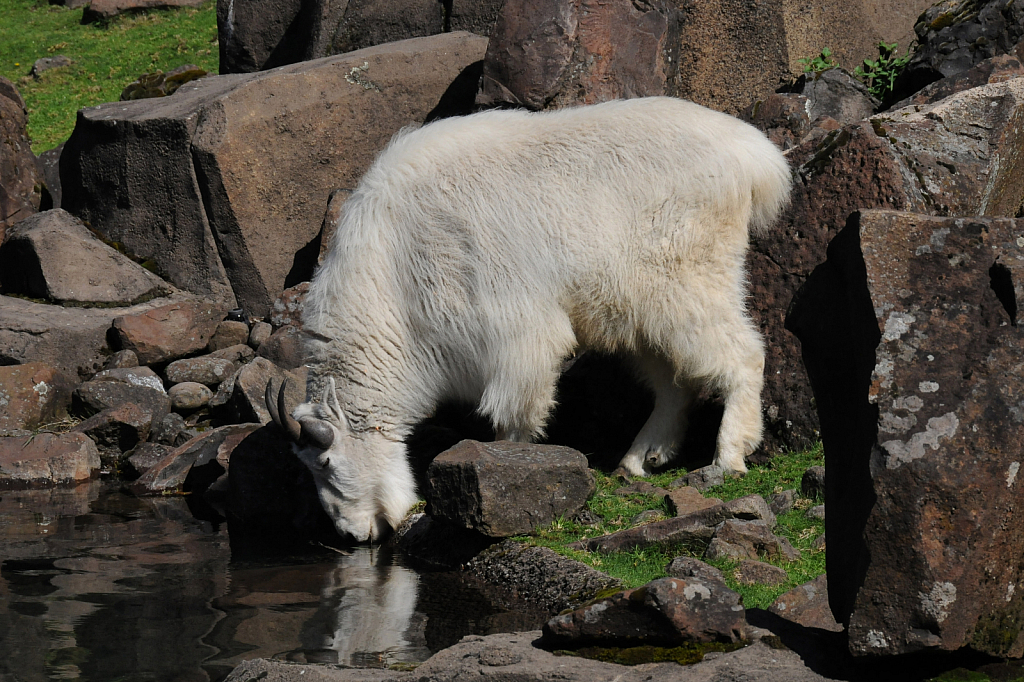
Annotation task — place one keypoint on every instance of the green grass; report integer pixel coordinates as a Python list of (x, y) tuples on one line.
[(105, 57), (640, 566)]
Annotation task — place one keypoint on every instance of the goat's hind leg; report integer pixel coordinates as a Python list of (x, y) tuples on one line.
[(662, 434)]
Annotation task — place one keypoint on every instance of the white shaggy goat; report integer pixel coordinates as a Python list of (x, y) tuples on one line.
[(478, 252)]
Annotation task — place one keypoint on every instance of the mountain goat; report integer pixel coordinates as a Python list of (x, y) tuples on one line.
[(478, 252)]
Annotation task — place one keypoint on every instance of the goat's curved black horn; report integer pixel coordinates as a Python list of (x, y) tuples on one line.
[(288, 423), (270, 399), (317, 432)]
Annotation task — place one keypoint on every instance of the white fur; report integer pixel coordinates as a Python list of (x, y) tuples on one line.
[(478, 252)]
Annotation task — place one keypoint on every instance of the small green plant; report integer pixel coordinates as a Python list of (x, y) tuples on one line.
[(823, 62), (880, 74)]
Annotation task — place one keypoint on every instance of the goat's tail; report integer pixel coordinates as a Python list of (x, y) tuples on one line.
[(771, 181)]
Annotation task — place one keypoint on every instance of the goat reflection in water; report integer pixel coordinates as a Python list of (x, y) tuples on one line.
[(366, 616)]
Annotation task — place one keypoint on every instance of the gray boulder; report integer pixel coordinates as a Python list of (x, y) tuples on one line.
[(94, 396), (205, 370), (504, 488)]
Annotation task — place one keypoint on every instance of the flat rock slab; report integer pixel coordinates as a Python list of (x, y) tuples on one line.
[(52, 256), (46, 459), (686, 500), (697, 527), (99, 10), (96, 396), (169, 473), (504, 488), (910, 335), (509, 657), (539, 575), (32, 394)]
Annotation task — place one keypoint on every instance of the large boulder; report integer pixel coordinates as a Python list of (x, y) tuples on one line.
[(32, 394), (261, 34), (958, 156), (168, 332), (46, 459), (186, 181), (552, 53), (52, 256), (911, 339), (20, 182), (503, 488)]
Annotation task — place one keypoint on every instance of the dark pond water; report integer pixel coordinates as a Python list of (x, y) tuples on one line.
[(98, 585)]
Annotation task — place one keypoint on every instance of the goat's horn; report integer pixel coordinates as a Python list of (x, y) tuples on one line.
[(288, 422), (271, 402), (317, 432)]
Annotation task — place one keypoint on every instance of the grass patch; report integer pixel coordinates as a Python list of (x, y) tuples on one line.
[(615, 512), (105, 57)]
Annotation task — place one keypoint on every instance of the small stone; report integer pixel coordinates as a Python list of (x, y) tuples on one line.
[(46, 63), (144, 457), (812, 485), (117, 430), (720, 549), (689, 567), (807, 605), (229, 333), (238, 354), (705, 477), (751, 572), (166, 430), (284, 347), (202, 370), (688, 499), (259, 333), (782, 502), (189, 396), (819, 542), (648, 516), (122, 359), (585, 517), (816, 512), (641, 488), (751, 507)]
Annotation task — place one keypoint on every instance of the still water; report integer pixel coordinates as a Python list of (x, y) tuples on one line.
[(99, 585)]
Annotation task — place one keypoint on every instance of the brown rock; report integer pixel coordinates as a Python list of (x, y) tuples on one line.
[(246, 401), (134, 376), (993, 70), (330, 223), (20, 184), (783, 502), (696, 528), (688, 499), (51, 255), (218, 219), (720, 549), (117, 430), (640, 488), (32, 394), (239, 355), (287, 307), (751, 507), (229, 333), (169, 474), (259, 333), (812, 483), (122, 359), (284, 347), (46, 459), (807, 605), (503, 488), (757, 538), (96, 396), (932, 160), (168, 332), (688, 567), (751, 572), (144, 457), (100, 10), (189, 396), (666, 611), (909, 334), (205, 370)]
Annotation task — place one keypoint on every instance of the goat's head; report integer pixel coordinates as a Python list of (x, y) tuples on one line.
[(362, 478)]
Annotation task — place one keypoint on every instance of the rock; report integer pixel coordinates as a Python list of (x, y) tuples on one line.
[(782, 502), (48, 164), (688, 567), (688, 499), (238, 355), (836, 94), (993, 70), (133, 376), (96, 396), (756, 538), (812, 484), (641, 488), (696, 528), (705, 477), (168, 475), (807, 605), (215, 218), (143, 457), (284, 348), (903, 160), (647, 516), (816, 512), (909, 334), (102, 10), (168, 332), (42, 64), (782, 117), (287, 307), (720, 549), (512, 656), (539, 575), (667, 611), (330, 223), (819, 543), (122, 359), (117, 430), (504, 488), (750, 572), (259, 333), (261, 35), (246, 400), (20, 184), (160, 84), (168, 430), (52, 256), (954, 35), (32, 394), (46, 459), (189, 396), (751, 507), (202, 370), (229, 333), (436, 544)]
